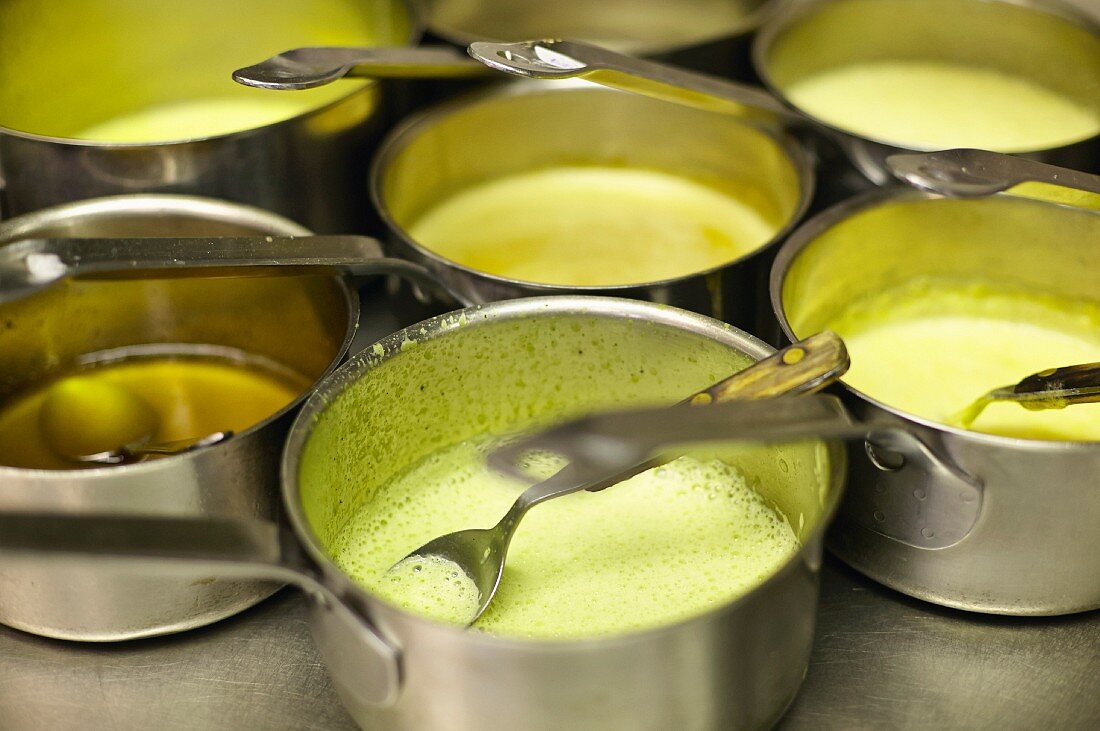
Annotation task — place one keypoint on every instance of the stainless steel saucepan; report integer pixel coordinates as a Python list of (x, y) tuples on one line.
[(1047, 42), (70, 67), (301, 323), (1023, 540), (495, 369), (525, 127)]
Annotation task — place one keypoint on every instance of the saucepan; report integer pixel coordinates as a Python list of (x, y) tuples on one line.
[(299, 325), (509, 136), (497, 368), (135, 96), (1023, 538)]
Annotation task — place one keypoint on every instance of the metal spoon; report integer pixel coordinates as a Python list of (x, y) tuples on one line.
[(556, 59), (138, 451), (804, 367), (975, 173), (1054, 388), (305, 68), (31, 265), (105, 415)]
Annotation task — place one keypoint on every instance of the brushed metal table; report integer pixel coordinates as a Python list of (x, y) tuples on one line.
[(881, 660)]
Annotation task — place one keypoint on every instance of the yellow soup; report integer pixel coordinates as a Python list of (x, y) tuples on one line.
[(663, 546), (932, 347), (936, 105), (592, 226), (196, 118)]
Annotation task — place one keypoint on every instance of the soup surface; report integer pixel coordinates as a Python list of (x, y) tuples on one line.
[(668, 544), (932, 347), (936, 105), (196, 118), (592, 226), (106, 405)]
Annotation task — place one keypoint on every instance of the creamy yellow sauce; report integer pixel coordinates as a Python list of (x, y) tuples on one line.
[(936, 105), (932, 348), (592, 226), (196, 118), (161, 398), (666, 545)]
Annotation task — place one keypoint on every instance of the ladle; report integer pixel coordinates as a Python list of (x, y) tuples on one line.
[(1054, 388), (557, 59), (806, 366), (137, 451), (305, 68), (974, 173), (31, 265)]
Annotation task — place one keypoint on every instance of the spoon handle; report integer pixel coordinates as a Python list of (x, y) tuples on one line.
[(1058, 387), (806, 366), (970, 173), (554, 59), (305, 68), (600, 445)]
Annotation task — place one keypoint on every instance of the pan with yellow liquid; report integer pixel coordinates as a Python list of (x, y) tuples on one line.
[(939, 300), (136, 96), (93, 364), (535, 189)]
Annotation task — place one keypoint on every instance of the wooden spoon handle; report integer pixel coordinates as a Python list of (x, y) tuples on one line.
[(805, 367)]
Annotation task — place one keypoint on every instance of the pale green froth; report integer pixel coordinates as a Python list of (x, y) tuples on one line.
[(432, 586), (666, 545)]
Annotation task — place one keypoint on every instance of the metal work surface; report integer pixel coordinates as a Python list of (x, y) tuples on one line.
[(880, 661)]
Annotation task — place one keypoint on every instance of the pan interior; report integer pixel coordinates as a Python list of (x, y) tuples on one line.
[(943, 300), (497, 377), (573, 185), (931, 74), (147, 71), (629, 26)]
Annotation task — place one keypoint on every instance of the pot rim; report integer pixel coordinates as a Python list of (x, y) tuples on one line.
[(404, 133), (361, 86), (745, 26), (360, 365), (816, 225), (216, 209), (778, 23)]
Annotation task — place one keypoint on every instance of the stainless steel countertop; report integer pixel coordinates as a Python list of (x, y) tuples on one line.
[(881, 660)]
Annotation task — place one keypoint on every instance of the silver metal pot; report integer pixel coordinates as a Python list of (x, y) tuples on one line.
[(526, 126), (304, 322), (1022, 538), (74, 66), (1055, 44), (452, 377)]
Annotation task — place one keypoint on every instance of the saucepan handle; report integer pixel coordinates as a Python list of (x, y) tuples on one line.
[(914, 495), (231, 549)]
